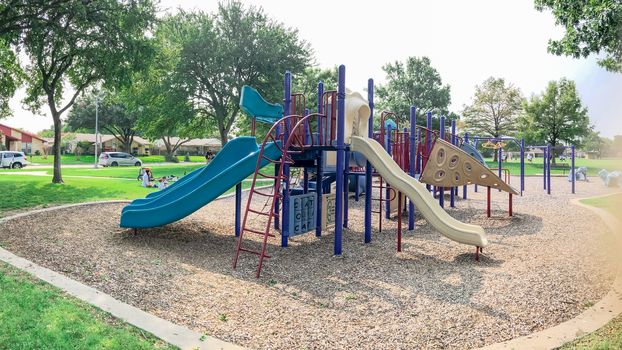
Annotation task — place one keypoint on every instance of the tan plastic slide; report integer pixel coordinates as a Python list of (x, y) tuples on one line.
[(418, 194)]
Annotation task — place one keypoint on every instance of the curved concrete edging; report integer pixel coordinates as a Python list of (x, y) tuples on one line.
[(174, 334), (589, 320)]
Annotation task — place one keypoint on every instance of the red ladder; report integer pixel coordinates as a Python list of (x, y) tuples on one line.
[(295, 141)]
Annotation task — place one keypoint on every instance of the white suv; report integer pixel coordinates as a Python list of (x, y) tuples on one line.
[(12, 159), (118, 158)]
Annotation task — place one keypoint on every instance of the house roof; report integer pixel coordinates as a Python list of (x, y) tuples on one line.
[(192, 142), (23, 132), (104, 138)]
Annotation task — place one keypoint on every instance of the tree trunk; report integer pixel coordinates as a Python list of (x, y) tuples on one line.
[(57, 178), (169, 156), (223, 136)]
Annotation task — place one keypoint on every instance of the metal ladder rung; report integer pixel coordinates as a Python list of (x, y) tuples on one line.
[(258, 212), (258, 232), (266, 194), (269, 159), (274, 177), (254, 252)]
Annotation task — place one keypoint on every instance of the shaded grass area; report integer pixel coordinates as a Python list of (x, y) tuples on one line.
[(535, 167), (25, 191), (35, 315), (609, 336)]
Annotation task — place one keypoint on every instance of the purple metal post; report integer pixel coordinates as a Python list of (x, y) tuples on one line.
[(548, 169), (412, 159), (464, 188), (341, 95), (368, 168), (346, 187), (572, 168), (441, 192), (286, 132), (544, 160), (452, 195)]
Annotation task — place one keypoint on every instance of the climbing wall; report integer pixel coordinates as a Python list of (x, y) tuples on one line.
[(302, 213), (449, 166)]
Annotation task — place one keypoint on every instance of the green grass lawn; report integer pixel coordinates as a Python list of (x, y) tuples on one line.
[(609, 336), (612, 203), (535, 167), (129, 172), (90, 159), (35, 315), (26, 191)]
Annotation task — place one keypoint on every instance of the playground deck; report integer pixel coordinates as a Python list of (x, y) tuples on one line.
[(543, 266)]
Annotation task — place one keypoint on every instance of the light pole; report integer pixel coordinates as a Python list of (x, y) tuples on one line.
[(96, 128)]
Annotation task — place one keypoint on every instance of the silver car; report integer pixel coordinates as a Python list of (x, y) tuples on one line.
[(12, 159), (118, 159)]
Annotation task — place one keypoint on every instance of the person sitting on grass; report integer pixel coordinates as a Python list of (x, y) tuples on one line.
[(163, 183)]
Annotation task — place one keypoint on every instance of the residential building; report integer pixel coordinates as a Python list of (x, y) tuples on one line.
[(192, 147), (13, 139)]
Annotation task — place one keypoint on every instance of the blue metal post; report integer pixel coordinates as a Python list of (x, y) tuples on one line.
[(368, 169), (286, 174), (388, 187), (412, 159), (544, 160), (548, 169), (572, 168), (341, 95), (428, 138), (522, 165), (452, 195), (346, 187), (238, 208), (441, 192), (464, 188)]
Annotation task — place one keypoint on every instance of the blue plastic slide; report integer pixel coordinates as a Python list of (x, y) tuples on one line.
[(253, 104), (236, 161)]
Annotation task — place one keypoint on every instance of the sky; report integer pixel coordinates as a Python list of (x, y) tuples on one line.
[(467, 42)]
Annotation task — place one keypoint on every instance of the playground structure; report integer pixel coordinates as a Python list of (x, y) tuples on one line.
[(412, 168)]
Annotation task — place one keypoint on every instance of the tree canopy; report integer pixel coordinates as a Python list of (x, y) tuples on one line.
[(592, 27), (557, 116), (494, 109), (114, 117), (76, 43), (233, 47), (414, 82)]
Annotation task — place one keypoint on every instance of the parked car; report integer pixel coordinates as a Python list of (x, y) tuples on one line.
[(118, 159), (12, 159)]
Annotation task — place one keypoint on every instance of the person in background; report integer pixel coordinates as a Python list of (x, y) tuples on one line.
[(146, 182), (163, 183)]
